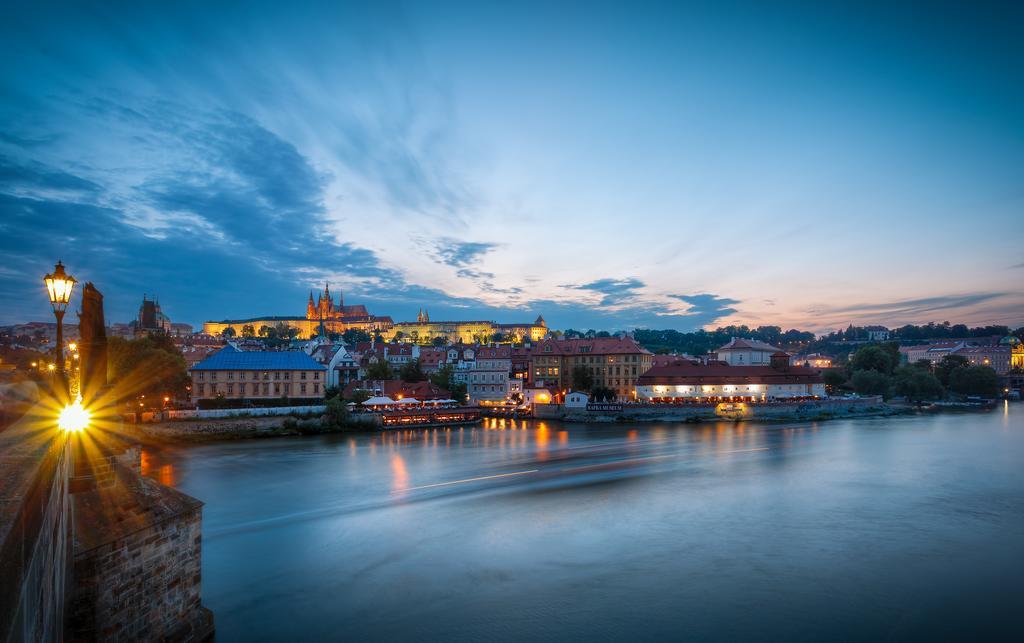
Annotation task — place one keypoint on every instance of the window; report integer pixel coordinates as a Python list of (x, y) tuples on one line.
[(277, 375), (288, 375), (302, 375), (316, 375), (231, 376), (202, 375), (213, 375), (231, 389), (316, 388), (302, 387)]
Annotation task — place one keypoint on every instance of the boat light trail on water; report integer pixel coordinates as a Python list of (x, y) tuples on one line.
[(445, 484), (522, 473)]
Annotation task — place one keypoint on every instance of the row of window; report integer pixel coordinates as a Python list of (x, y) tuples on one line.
[(258, 389), (256, 375)]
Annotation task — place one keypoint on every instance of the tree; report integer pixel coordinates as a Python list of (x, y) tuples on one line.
[(870, 382), (499, 338), (872, 358), (582, 379), (947, 365), (228, 333), (151, 366), (916, 384), (458, 391), (974, 380), (379, 370), (248, 331), (336, 415), (412, 372), (399, 335), (354, 336), (602, 394), (444, 377), (267, 331), (439, 341), (834, 380)]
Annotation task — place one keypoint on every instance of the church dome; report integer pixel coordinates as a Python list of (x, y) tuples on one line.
[(1010, 340)]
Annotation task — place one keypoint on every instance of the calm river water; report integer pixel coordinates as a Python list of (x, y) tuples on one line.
[(888, 528)]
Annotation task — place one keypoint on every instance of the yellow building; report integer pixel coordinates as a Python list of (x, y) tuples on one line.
[(613, 362), (424, 331), (335, 319)]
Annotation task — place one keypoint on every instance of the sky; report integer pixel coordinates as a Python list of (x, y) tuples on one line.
[(607, 165)]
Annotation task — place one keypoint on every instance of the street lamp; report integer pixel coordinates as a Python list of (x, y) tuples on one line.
[(59, 286)]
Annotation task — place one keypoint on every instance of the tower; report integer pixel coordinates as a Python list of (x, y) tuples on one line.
[(310, 307)]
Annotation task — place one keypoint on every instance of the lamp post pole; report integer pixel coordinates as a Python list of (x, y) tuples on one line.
[(59, 285)]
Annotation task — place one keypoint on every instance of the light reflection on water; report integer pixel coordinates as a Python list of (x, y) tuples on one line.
[(896, 528)]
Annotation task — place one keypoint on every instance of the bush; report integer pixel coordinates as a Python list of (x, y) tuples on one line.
[(916, 384)]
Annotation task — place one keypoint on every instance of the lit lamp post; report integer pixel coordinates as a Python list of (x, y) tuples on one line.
[(59, 286)]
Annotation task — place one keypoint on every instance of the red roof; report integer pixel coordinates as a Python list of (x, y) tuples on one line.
[(593, 346), (494, 352), (694, 373), (740, 344)]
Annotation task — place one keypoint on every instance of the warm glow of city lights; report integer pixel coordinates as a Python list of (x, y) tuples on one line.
[(73, 346), (74, 417), (51, 366)]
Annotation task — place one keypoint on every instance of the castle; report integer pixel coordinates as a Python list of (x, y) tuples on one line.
[(321, 315)]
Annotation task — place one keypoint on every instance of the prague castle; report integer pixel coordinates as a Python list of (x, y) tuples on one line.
[(424, 331), (323, 313)]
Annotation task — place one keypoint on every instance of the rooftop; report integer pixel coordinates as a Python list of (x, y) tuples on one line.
[(230, 359)]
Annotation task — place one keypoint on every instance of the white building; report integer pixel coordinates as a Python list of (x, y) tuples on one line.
[(488, 379), (695, 382), (576, 400), (746, 352)]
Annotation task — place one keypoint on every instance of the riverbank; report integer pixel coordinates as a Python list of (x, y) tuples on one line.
[(242, 428), (762, 412)]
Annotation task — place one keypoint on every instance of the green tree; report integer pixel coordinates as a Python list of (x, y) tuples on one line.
[(499, 338), (974, 380), (336, 415), (947, 365), (872, 358), (439, 341), (248, 331), (228, 333), (149, 366), (916, 384), (444, 377), (602, 394), (870, 382), (458, 391), (834, 379), (412, 372), (354, 336), (380, 370), (582, 379)]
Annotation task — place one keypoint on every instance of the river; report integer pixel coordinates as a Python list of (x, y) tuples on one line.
[(876, 528)]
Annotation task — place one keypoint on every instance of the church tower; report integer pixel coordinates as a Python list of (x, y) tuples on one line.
[(310, 307)]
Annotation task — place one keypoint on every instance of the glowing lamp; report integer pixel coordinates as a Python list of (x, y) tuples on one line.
[(74, 417), (59, 285)]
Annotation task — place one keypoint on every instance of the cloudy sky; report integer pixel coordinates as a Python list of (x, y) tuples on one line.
[(607, 165)]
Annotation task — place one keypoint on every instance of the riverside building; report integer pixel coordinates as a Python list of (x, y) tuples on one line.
[(255, 376), (686, 381)]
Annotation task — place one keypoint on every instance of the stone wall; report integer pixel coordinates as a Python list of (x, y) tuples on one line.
[(142, 579), (35, 531)]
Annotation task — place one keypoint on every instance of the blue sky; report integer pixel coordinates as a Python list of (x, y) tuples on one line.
[(607, 165)]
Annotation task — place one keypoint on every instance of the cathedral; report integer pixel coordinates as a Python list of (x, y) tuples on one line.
[(325, 309)]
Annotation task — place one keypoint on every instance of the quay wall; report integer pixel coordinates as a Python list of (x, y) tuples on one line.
[(810, 409)]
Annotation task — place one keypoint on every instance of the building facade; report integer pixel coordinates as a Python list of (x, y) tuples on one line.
[(257, 375), (711, 383), (612, 362), (746, 352), (488, 379), (425, 331)]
